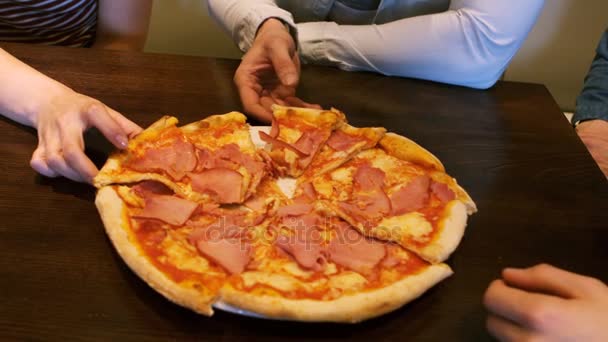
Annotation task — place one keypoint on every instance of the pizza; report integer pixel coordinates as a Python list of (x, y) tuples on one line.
[(311, 219)]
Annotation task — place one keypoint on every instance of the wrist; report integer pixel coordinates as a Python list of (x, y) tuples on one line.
[(40, 98), (272, 25)]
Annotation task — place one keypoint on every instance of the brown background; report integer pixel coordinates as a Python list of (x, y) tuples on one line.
[(540, 198)]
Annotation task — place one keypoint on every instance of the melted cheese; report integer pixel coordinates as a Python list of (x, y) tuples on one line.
[(289, 134), (130, 197), (348, 281), (408, 226), (182, 257), (278, 281)]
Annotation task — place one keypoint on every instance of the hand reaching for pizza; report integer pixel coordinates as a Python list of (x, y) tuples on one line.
[(60, 115), (594, 134), (269, 72), (545, 303), (60, 124)]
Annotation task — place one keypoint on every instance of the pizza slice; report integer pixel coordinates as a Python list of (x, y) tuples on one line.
[(210, 160), (343, 144), (318, 268), (410, 202), (297, 135), (184, 249)]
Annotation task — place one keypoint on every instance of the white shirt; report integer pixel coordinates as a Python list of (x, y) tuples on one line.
[(462, 42)]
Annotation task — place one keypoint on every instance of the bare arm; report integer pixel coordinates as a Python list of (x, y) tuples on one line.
[(123, 25), (60, 115)]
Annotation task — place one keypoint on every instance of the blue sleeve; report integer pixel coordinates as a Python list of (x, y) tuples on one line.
[(592, 103)]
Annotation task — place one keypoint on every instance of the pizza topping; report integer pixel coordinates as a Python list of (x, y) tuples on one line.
[(306, 143), (352, 250), (224, 184), (232, 254), (341, 141), (412, 196), (274, 130), (176, 159), (295, 209), (443, 192), (143, 189), (279, 144), (304, 246), (256, 203), (368, 178), (170, 209)]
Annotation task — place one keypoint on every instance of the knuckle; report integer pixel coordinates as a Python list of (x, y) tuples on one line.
[(54, 159), (593, 283), (94, 107), (541, 269), (70, 152), (490, 291), (538, 316)]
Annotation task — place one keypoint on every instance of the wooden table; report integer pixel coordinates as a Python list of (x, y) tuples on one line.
[(539, 193)]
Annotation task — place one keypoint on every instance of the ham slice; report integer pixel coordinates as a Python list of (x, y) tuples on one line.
[(276, 143), (304, 247), (341, 141), (170, 209), (147, 188), (232, 254), (305, 143), (256, 203), (411, 197), (368, 178), (176, 159), (224, 184), (295, 209), (352, 250), (274, 130), (443, 192)]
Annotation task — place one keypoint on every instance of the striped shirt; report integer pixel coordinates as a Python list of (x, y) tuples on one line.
[(50, 22)]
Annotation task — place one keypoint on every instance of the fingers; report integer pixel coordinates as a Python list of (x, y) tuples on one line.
[(53, 155), (73, 153), (503, 330), (249, 92), (130, 128), (39, 164), (297, 102), (531, 310), (98, 116), (284, 65), (550, 280)]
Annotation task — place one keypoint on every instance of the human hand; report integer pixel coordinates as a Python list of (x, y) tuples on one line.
[(269, 72), (544, 303), (61, 121), (594, 134)]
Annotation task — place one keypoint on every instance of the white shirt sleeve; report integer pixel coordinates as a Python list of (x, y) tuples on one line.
[(471, 44), (241, 18)]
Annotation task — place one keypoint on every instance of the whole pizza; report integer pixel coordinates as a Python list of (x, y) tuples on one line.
[(310, 219)]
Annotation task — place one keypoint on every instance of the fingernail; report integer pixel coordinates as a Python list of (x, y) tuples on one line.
[(290, 79), (122, 141)]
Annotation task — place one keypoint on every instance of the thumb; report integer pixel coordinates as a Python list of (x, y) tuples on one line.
[(98, 116), (284, 66)]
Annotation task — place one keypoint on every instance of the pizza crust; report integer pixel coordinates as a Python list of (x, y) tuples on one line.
[(451, 230), (405, 149), (112, 211), (319, 117), (347, 309)]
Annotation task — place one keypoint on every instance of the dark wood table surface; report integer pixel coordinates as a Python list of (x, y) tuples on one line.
[(541, 198)]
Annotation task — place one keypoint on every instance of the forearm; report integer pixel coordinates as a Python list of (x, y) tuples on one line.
[(592, 103), (123, 25), (242, 18), (469, 45), (23, 90)]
